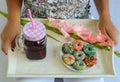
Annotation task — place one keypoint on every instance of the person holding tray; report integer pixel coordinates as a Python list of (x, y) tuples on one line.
[(59, 9)]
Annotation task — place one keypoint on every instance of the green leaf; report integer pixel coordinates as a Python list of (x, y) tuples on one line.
[(3, 14), (117, 53), (48, 27), (74, 36), (23, 23), (53, 38), (107, 48)]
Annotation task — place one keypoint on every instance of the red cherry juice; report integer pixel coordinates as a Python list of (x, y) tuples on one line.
[(34, 50)]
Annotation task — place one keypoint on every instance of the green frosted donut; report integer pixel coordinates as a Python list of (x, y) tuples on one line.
[(89, 50), (79, 55), (79, 65), (67, 48)]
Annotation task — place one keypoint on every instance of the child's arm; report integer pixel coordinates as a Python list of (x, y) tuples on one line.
[(105, 23), (14, 9), (12, 27)]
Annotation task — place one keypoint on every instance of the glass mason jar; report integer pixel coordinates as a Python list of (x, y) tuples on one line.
[(33, 41)]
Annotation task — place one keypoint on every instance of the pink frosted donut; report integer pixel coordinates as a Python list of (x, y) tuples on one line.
[(78, 45), (68, 59)]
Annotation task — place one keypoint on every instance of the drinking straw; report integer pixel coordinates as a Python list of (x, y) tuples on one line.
[(31, 19)]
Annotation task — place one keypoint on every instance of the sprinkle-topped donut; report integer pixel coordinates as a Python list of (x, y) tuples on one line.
[(90, 61), (78, 45), (67, 48), (68, 59), (79, 65), (89, 50), (79, 55)]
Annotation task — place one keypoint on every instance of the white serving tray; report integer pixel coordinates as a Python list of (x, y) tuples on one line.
[(51, 66)]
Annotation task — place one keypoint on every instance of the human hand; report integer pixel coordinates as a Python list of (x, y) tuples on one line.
[(107, 28), (11, 30)]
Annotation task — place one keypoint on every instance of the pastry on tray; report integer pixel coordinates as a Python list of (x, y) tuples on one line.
[(78, 55)]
